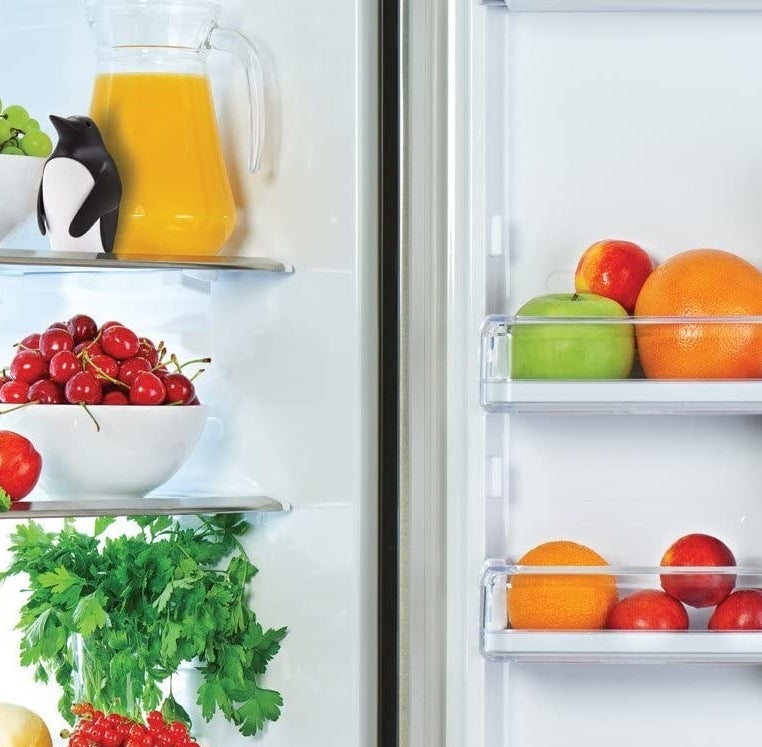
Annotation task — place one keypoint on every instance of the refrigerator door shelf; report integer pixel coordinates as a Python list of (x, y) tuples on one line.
[(559, 346), (625, 5), (621, 647), (548, 592)]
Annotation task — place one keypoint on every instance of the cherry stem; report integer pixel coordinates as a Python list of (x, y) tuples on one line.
[(195, 360), (196, 375), (92, 417), (173, 359), (117, 382), (19, 407)]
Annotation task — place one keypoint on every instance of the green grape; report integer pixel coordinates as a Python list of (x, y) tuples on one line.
[(11, 150), (5, 130), (36, 143), (1, 106), (17, 116), (32, 124)]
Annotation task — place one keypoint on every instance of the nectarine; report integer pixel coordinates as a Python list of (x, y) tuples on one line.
[(648, 610), (742, 610), (698, 589)]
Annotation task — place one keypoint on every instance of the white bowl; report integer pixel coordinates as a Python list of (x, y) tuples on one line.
[(19, 182), (136, 450)]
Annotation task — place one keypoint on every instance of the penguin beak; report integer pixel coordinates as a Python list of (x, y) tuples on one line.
[(63, 127)]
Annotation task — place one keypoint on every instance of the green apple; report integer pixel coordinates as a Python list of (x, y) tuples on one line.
[(562, 350)]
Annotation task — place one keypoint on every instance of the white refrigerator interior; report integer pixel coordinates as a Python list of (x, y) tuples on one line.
[(574, 121), (292, 384)]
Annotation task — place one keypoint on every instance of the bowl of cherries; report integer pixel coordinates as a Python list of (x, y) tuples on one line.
[(112, 414)]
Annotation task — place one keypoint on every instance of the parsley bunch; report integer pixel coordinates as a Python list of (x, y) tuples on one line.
[(144, 604)]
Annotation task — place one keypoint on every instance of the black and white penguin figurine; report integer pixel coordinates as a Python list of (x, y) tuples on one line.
[(78, 201)]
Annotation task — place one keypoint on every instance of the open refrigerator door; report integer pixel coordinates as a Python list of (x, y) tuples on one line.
[(573, 122), (287, 312)]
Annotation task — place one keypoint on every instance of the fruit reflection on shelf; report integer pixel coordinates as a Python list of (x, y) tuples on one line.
[(562, 601)]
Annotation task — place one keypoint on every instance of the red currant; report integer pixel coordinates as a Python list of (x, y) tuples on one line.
[(30, 341), (147, 389), (28, 366), (63, 366), (83, 388), (178, 730), (45, 392), (103, 367), (111, 739), (82, 327), (130, 368), (155, 719), (179, 388), (119, 342), (53, 341), (115, 397)]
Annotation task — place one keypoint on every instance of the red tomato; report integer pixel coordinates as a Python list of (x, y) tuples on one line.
[(20, 465)]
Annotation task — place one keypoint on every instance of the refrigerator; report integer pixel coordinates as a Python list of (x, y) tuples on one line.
[(565, 122), (288, 313)]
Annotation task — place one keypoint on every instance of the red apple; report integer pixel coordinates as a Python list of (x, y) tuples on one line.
[(698, 589), (648, 610), (742, 610), (614, 269)]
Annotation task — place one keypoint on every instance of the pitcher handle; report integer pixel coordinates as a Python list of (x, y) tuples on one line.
[(227, 40)]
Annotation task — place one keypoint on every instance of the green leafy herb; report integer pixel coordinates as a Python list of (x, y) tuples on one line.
[(5, 501), (117, 616)]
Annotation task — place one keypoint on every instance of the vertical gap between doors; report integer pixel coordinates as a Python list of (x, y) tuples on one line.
[(389, 384)]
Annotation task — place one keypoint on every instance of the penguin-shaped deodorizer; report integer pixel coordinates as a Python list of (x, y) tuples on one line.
[(78, 201)]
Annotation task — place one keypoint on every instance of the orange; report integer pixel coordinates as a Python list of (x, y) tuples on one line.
[(708, 283), (561, 602)]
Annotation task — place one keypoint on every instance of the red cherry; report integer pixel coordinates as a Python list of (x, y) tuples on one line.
[(57, 325), (53, 341), (179, 388), (148, 351), (63, 366), (93, 348), (82, 327), (83, 388), (130, 368), (194, 401), (14, 393), (115, 397), (106, 325), (119, 342), (147, 389), (103, 367), (45, 392), (30, 341), (28, 366)]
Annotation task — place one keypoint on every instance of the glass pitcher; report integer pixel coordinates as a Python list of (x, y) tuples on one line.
[(153, 104)]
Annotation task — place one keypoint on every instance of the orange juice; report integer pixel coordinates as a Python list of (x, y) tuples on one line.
[(161, 130)]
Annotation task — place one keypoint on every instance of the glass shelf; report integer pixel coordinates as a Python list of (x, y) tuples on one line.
[(18, 260), (626, 5), (589, 587), (159, 504), (537, 365)]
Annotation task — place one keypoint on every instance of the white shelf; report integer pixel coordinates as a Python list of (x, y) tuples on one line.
[(623, 397), (627, 5), (171, 505), (621, 646), (20, 261)]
